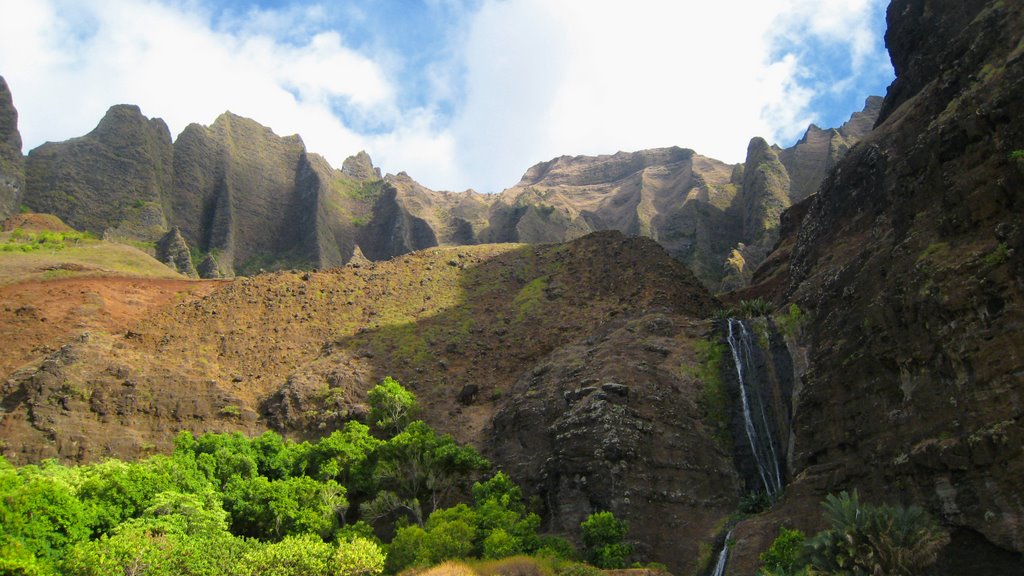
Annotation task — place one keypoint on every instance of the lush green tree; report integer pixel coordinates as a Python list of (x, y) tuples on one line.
[(190, 514), (404, 549), (501, 544), (345, 455), (556, 547), (603, 536), (392, 407), (448, 540), (499, 506), (272, 509), (358, 557), (39, 510), (16, 560), (421, 467), (299, 555)]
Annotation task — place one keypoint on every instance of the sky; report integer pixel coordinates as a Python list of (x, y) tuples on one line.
[(457, 93)]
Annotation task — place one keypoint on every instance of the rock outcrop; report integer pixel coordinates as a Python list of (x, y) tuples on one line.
[(173, 251), (115, 178), (360, 167), (910, 260), (12, 164)]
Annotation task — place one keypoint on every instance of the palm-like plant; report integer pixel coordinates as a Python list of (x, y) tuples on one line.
[(866, 540)]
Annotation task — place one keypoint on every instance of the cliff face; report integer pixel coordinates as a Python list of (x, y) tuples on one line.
[(112, 180), (246, 199), (12, 164), (719, 219), (235, 187), (911, 262)]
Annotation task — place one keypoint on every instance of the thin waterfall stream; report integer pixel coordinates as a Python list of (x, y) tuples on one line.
[(762, 466), (755, 418), (723, 557)]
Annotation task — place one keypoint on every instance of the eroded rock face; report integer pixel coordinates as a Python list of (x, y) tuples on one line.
[(114, 178), (173, 251), (257, 201), (607, 423), (12, 164), (911, 261)]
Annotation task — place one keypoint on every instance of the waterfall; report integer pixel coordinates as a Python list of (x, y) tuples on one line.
[(755, 419), (723, 556)]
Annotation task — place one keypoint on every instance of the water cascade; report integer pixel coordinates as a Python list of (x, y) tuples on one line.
[(723, 557), (755, 417)]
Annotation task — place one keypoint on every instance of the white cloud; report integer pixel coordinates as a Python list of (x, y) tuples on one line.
[(589, 77), (530, 79), (173, 65)]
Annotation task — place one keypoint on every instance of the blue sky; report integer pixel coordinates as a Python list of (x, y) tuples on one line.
[(458, 93)]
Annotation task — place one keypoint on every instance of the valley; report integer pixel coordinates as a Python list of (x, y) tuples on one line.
[(709, 351)]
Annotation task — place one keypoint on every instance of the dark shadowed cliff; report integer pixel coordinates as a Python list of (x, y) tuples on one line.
[(910, 261)]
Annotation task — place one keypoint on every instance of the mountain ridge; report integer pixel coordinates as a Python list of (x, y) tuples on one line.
[(246, 199)]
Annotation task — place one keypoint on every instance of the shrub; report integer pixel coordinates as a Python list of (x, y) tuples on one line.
[(392, 407), (755, 502), (785, 555), (792, 321), (304, 555), (603, 536), (868, 540), (557, 548), (755, 308), (579, 569), (358, 557), (501, 544)]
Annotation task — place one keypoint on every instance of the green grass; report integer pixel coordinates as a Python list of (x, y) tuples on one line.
[(24, 241), (1017, 155), (530, 298), (83, 257)]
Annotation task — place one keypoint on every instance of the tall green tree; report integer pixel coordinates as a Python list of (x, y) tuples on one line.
[(392, 407)]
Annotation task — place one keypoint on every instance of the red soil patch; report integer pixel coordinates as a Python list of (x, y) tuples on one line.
[(38, 317)]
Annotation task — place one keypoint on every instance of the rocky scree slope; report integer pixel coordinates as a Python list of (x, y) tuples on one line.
[(910, 260), (603, 327), (245, 199)]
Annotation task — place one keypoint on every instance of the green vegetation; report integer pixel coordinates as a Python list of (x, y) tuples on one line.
[(1017, 155), (863, 540), (22, 241), (998, 255), (786, 555), (227, 504), (603, 536), (754, 502), (530, 298), (714, 400), (792, 321), (755, 308), (392, 406)]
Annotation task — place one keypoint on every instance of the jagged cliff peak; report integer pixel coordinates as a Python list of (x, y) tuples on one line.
[(12, 165), (360, 167), (238, 124), (9, 133), (581, 170)]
